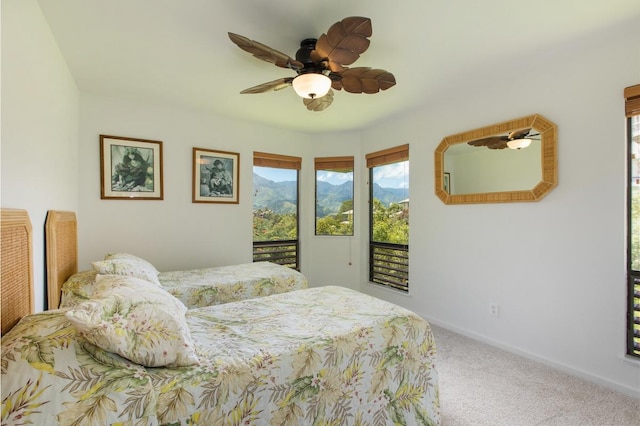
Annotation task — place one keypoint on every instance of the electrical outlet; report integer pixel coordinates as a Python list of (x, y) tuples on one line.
[(494, 310)]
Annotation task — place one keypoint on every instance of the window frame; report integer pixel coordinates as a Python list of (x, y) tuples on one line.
[(334, 164), (282, 252), (396, 254), (632, 109)]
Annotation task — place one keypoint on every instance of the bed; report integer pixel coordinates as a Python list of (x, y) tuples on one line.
[(326, 355), (195, 288)]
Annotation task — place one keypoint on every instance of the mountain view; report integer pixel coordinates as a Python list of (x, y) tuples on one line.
[(390, 195), (280, 197), (330, 197)]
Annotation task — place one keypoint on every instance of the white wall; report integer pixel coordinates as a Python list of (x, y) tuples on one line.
[(334, 260), (39, 125), (555, 267)]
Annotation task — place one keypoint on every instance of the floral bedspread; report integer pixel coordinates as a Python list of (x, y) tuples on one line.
[(324, 356), (205, 287), (212, 286)]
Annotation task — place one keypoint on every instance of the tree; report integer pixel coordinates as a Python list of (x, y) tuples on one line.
[(390, 225), (271, 226)]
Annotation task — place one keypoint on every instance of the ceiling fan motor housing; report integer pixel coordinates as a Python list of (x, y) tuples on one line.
[(306, 47), (305, 84), (303, 55)]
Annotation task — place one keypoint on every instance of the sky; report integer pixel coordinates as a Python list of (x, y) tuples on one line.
[(394, 175)]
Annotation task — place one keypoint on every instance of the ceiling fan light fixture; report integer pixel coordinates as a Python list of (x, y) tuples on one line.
[(311, 85), (519, 143)]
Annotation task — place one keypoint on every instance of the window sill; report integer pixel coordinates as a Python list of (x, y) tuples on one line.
[(631, 360), (389, 289)]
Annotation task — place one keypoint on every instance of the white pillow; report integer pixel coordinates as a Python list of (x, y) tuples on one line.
[(137, 320), (142, 262), (126, 267)]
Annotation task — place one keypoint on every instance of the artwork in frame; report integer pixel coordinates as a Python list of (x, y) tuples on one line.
[(130, 169), (447, 183), (216, 176)]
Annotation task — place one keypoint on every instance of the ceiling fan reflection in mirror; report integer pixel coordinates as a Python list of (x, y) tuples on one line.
[(515, 140), (321, 64)]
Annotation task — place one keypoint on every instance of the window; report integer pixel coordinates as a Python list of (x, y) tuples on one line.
[(334, 195), (389, 217), (275, 209), (632, 112)]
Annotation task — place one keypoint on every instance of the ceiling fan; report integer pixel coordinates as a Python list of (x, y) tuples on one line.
[(515, 140), (321, 64)]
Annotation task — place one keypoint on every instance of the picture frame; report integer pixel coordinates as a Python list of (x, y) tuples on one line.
[(216, 176), (447, 182), (130, 168)]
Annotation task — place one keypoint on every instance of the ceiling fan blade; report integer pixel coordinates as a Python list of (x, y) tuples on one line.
[(279, 84), (498, 145), (265, 53), (519, 134), (344, 42), (364, 80), (492, 142), (319, 104)]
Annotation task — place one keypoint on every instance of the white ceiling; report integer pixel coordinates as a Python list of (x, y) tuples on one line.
[(178, 51)]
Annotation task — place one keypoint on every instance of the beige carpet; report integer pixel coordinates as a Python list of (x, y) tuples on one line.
[(482, 385)]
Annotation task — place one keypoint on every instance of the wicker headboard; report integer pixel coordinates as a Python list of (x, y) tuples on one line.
[(17, 267), (61, 233)]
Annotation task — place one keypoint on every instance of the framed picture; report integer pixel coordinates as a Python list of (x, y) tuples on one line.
[(130, 169), (215, 176), (447, 183)]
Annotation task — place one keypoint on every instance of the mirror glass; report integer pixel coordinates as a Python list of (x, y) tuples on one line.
[(506, 162)]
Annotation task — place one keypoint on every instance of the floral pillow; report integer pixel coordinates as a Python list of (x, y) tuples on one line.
[(78, 288), (142, 262), (127, 267), (137, 320)]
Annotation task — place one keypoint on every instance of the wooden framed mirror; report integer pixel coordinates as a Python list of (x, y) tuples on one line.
[(489, 165)]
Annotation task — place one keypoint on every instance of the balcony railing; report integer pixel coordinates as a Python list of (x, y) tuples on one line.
[(281, 252), (389, 265), (634, 312)]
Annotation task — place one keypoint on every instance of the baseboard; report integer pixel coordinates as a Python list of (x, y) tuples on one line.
[(545, 361)]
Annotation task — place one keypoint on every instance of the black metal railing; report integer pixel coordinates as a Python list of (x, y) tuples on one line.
[(281, 252), (634, 314), (389, 265)]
